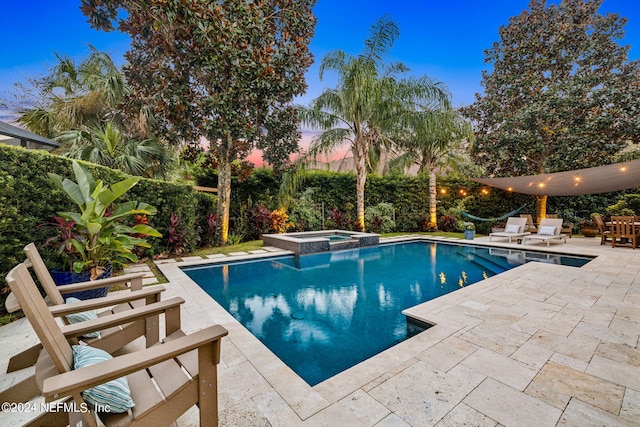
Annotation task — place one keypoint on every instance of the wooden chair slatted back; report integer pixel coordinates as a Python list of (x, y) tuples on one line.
[(43, 274), (601, 226), (43, 322), (623, 226)]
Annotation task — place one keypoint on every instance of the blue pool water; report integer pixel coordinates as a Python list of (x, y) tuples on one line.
[(324, 313)]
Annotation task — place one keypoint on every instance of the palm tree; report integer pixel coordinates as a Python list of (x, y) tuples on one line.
[(109, 146), (83, 106), (75, 95), (367, 101), (434, 139)]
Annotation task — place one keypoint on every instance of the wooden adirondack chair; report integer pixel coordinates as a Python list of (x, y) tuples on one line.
[(111, 338), (173, 393)]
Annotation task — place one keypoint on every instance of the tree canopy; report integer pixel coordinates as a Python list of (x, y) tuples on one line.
[(562, 94), (224, 71)]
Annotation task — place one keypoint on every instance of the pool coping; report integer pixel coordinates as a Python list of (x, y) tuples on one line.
[(306, 400)]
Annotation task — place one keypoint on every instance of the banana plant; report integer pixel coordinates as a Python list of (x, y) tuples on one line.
[(100, 235)]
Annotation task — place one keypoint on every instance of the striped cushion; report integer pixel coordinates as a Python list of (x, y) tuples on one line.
[(81, 317), (113, 396)]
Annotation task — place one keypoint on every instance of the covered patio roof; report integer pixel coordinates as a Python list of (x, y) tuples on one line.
[(14, 135), (601, 179)]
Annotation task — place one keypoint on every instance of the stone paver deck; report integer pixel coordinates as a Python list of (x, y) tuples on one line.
[(539, 345)]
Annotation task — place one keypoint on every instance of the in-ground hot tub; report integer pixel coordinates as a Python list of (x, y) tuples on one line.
[(308, 242)]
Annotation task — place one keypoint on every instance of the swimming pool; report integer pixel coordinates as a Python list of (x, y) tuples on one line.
[(324, 313)]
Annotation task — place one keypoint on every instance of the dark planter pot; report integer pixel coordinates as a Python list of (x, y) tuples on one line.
[(64, 277), (589, 231), (469, 234)]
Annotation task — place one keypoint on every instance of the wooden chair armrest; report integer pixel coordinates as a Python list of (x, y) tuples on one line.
[(78, 380), (134, 278), (139, 313), (108, 301), (11, 304)]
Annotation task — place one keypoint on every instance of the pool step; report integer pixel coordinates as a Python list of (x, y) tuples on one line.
[(489, 265)]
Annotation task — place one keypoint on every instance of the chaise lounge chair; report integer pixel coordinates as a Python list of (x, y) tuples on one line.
[(513, 229), (183, 368), (549, 230), (531, 226)]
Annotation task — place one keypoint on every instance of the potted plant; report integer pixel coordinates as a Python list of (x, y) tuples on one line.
[(469, 230), (589, 227), (97, 237)]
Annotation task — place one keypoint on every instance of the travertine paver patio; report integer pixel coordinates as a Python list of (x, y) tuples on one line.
[(539, 345)]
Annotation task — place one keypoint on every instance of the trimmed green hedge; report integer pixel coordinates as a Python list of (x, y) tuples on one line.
[(410, 197), (28, 198)]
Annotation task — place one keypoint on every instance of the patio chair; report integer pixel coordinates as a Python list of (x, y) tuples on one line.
[(624, 230), (567, 228), (183, 367), (548, 231), (605, 231), (109, 339), (513, 229), (530, 226)]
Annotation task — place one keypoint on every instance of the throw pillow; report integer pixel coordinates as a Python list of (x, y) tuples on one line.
[(547, 230), (81, 317), (113, 395), (512, 228)]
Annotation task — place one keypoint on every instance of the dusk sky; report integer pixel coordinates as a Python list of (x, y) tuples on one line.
[(443, 39)]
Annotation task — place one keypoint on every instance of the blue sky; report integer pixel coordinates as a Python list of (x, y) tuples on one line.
[(443, 39)]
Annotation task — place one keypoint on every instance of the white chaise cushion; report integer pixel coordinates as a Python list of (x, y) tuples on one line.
[(512, 228), (547, 230)]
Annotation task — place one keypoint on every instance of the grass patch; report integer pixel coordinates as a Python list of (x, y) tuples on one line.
[(240, 247), (8, 318)]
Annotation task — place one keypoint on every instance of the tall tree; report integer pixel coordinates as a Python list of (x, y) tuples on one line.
[(370, 97), (562, 94), (82, 106), (434, 140), (73, 95), (224, 71)]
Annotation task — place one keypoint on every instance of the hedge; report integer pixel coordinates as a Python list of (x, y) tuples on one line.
[(28, 199)]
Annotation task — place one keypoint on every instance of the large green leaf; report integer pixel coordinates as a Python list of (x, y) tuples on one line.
[(73, 191), (146, 230), (119, 188), (94, 228), (106, 197), (85, 181)]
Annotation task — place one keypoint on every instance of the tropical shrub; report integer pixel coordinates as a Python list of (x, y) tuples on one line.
[(98, 236), (338, 220), (178, 242), (262, 219), (206, 230), (304, 212), (379, 218), (280, 221), (447, 223)]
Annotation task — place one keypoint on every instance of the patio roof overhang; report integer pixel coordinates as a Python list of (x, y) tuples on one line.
[(14, 132), (601, 179)]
